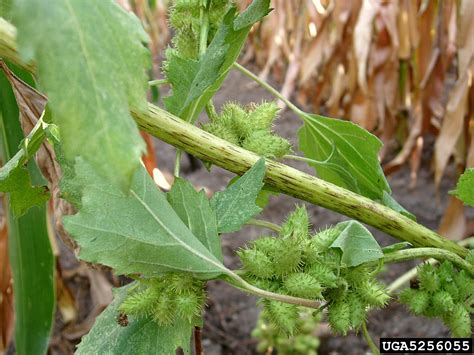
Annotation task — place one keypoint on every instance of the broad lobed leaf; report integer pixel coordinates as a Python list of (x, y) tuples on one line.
[(92, 68), (195, 211), (140, 336), (357, 244), (237, 204), (465, 187), (135, 232), (347, 154)]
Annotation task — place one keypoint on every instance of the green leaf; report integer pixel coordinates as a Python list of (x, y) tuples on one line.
[(465, 188), (236, 204), (252, 14), (140, 336), (135, 232), (92, 67), (31, 258), (357, 244), (195, 211), (263, 197), (346, 154), (195, 82), (15, 180), (390, 202)]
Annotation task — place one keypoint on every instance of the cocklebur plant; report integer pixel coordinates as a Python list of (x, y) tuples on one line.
[(170, 244)]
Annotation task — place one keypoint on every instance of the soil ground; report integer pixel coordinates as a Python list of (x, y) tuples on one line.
[(231, 315)]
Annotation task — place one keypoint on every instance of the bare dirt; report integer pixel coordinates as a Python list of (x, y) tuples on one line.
[(231, 315)]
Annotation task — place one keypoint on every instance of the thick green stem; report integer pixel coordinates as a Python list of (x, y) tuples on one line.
[(203, 35), (205, 146), (435, 253)]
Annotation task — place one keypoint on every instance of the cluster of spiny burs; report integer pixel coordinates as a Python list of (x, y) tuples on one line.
[(249, 127), (299, 264), (168, 300), (185, 19), (443, 292)]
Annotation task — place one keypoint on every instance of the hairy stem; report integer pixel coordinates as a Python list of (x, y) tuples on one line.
[(158, 82), (265, 224), (267, 87), (435, 253), (203, 35), (31, 143), (243, 285), (203, 145), (369, 340)]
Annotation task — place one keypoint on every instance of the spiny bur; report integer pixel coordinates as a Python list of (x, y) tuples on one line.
[(256, 262), (339, 317), (296, 225), (283, 316), (303, 285)]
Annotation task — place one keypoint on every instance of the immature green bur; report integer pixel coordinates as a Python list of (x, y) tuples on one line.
[(92, 68), (141, 336), (236, 204), (16, 180), (465, 187), (250, 127), (135, 232)]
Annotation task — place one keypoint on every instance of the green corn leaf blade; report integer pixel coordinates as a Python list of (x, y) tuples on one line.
[(140, 336), (195, 211), (31, 257), (92, 67), (195, 82), (357, 244), (390, 202), (465, 188), (237, 204), (135, 232), (346, 154)]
